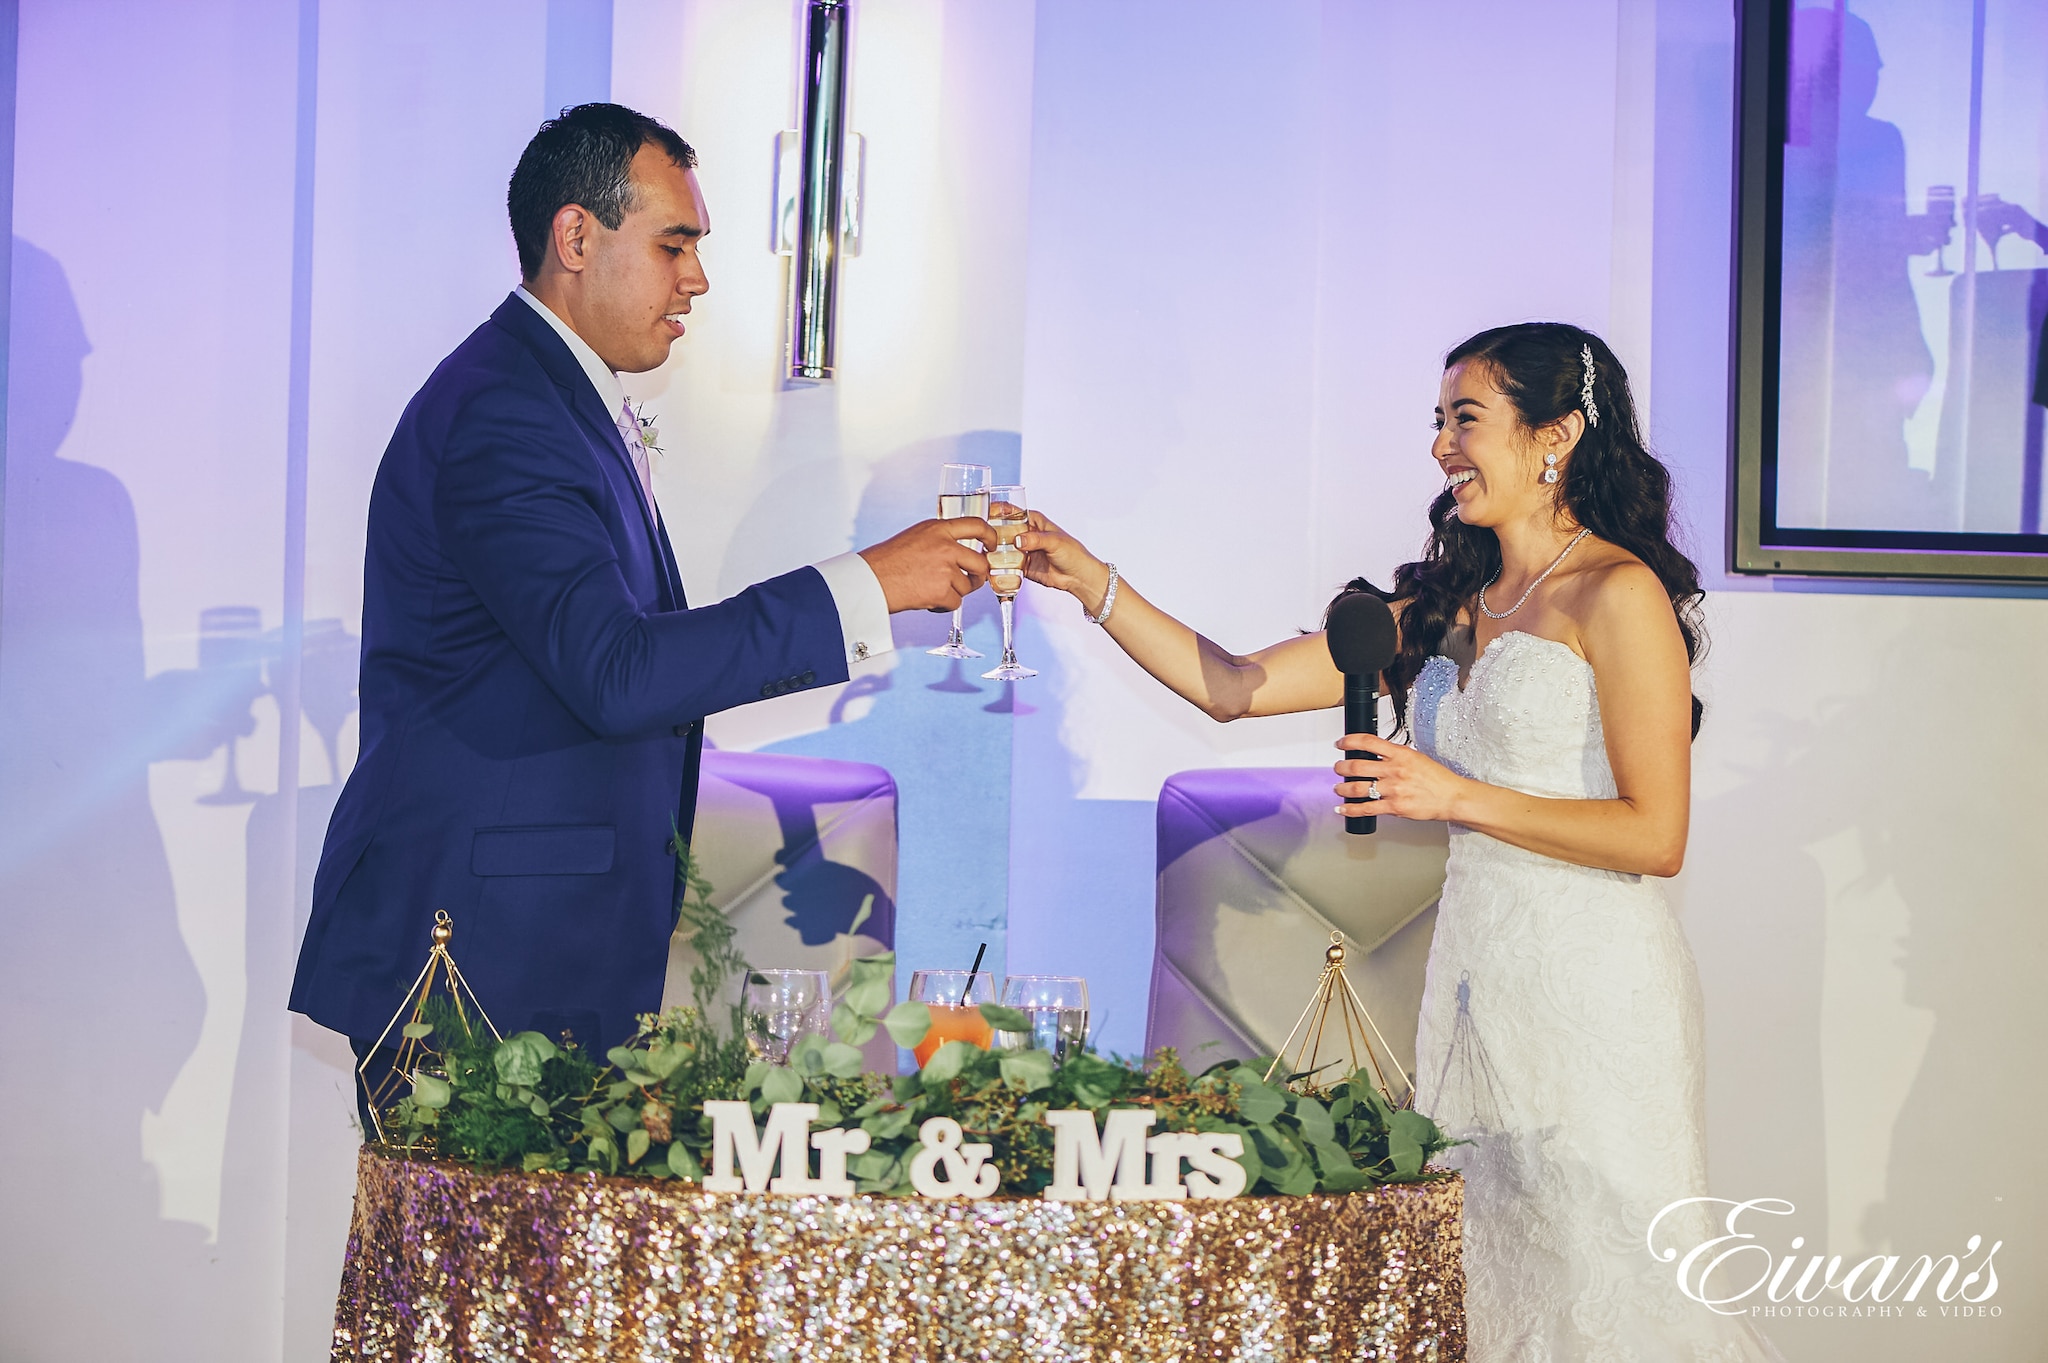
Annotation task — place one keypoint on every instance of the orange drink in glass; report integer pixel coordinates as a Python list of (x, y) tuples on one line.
[(955, 998), (950, 1022)]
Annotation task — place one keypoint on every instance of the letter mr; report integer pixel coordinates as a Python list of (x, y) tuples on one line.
[(1089, 1166), (786, 1143)]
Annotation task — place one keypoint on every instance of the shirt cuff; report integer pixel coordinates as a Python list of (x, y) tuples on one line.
[(863, 609)]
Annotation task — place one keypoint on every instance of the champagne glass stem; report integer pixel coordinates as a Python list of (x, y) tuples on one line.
[(956, 638), (1009, 628)]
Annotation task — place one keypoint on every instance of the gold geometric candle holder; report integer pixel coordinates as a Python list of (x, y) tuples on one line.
[(1319, 1050), (410, 1022)]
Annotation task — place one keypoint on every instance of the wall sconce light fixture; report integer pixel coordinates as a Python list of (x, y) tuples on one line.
[(818, 173)]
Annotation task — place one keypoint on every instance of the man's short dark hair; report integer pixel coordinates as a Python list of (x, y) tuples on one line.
[(585, 157)]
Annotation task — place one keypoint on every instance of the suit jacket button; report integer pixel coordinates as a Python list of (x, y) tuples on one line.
[(767, 689), (808, 678), (682, 731)]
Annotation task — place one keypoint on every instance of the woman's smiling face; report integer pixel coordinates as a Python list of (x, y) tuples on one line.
[(1489, 461)]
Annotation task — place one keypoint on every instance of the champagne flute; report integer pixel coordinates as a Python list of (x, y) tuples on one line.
[(1057, 1006), (1006, 513), (784, 1006), (963, 491)]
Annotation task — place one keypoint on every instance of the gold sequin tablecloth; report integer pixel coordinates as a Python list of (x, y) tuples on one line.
[(459, 1265)]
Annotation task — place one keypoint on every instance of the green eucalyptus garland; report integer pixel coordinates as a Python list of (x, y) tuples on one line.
[(529, 1102)]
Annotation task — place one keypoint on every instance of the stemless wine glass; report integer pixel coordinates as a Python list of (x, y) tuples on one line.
[(784, 1006), (1006, 513), (956, 1008), (1057, 1006), (963, 491)]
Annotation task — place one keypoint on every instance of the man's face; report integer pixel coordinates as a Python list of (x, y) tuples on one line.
[(638, 282)]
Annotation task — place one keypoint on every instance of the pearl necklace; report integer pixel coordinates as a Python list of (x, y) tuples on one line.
[(1492, 614)]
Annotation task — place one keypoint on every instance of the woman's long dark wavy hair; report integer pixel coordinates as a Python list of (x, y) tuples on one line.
[(1611, 485)]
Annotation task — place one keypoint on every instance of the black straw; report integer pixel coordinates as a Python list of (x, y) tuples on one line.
[(968, 989)]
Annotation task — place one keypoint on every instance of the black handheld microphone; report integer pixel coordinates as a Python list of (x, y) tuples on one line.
[(1363, 643)]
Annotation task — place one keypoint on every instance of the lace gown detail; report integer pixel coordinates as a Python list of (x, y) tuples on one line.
[(1560, 1035)]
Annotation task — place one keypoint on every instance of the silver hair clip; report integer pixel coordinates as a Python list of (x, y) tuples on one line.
[(1591, 407)]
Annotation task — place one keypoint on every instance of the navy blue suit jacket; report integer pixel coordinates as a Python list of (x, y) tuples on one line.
[(533, 690)]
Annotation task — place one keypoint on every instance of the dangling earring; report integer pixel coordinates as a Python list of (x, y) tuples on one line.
[(1550, 473)]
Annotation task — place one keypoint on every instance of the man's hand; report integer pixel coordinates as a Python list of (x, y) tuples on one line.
[(927, 568), (1927, 233)]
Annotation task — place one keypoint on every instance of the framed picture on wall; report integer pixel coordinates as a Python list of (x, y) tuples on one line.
[(1891, 380)]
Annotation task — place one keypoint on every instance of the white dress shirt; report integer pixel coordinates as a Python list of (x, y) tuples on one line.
[(856, 591)]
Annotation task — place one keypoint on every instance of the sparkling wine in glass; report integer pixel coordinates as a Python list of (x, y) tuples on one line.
[(1007, 515), (963, 491), (782, 1007), (955, 1002), (1057, 1006)]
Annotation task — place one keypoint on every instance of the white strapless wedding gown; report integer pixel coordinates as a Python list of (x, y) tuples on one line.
[(1561, 1036)]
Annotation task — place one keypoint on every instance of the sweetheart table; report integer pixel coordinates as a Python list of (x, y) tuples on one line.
[(448, 1262)]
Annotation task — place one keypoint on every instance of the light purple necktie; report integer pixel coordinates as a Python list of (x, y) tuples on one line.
[(629, 428)]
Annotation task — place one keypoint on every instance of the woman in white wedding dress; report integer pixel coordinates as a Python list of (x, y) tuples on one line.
[(1544, 677)]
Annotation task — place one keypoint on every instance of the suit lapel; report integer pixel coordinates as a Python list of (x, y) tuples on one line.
[(668, 564), (518, 317), (587, 405)]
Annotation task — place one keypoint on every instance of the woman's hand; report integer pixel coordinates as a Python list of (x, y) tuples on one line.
[(1294, 674), (1409, 785), (1053, 558)]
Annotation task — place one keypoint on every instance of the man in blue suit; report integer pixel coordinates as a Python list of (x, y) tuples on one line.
[(534, 683)]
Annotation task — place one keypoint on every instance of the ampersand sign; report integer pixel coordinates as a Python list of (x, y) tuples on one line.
[(968, 1172)]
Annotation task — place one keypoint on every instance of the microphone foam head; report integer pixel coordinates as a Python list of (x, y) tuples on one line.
[(1361, 635)]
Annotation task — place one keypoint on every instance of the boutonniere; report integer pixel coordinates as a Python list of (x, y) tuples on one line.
[(650, 434)]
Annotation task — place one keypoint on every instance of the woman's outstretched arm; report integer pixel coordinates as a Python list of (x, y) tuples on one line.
[(1626, 631), (1295, 674)]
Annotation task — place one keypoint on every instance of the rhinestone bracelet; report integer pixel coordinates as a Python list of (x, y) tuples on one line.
[(1108, 600)]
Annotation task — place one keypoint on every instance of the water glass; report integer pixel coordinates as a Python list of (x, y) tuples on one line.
[(1057, 1006), (784, 1006)]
